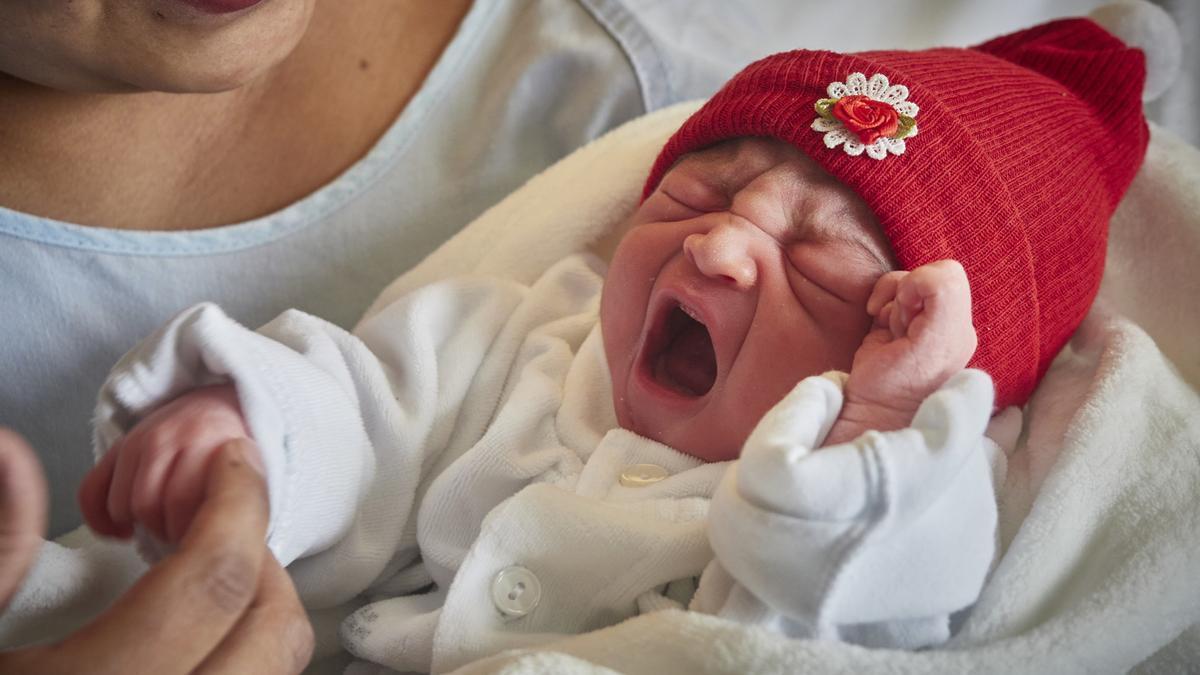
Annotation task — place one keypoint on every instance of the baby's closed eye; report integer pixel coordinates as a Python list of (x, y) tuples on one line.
[(699, 193)]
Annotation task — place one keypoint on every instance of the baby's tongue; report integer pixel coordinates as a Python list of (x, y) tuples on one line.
[(690, 360)]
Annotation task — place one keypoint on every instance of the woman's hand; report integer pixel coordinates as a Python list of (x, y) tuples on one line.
[(221, 603)]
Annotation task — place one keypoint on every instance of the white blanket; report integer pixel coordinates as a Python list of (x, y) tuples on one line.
[(1100, 514)]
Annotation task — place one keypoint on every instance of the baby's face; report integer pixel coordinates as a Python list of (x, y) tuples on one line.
[(747, 270)]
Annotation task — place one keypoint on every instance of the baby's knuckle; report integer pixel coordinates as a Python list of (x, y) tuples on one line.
[(130, 445), (157, 438), (176, 499), (143, 509)]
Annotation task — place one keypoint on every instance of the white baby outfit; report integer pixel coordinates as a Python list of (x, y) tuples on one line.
[(464, 436)]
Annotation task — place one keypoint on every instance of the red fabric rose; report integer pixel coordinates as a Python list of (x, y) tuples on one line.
[(865, 116)]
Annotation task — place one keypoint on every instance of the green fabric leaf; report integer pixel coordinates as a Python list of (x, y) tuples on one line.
[(904, 127), (824, 107)]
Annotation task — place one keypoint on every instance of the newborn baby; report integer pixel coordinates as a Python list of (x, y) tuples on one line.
[(456, 461), (747, 270)]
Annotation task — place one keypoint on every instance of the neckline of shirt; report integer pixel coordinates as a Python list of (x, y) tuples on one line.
[(318, 205)]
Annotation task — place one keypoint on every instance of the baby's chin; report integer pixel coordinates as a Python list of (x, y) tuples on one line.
[(714, 454), (695, 440), (712, 431)]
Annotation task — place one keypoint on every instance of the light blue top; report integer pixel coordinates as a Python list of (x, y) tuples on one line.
[(522, 83)]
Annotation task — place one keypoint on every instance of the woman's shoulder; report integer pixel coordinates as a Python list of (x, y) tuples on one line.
[(686, 49)]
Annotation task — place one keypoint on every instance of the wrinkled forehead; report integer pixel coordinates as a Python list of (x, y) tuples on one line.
[(768, 167), (757, 175)]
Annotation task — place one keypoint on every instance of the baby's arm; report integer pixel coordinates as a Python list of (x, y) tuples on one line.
[(922, 334), (348, 426), (345, 424), (874, 542), (302, 389)]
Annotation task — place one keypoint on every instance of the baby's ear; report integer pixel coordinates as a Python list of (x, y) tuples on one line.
[(1148, 27)]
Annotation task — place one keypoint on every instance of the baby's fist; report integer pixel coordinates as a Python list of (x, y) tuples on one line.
[(155, 475), (922, 334)]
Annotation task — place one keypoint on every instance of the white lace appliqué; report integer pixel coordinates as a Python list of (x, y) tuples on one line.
[(879, 89)]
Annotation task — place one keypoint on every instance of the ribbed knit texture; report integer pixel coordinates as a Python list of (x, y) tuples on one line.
[(1025, 145)]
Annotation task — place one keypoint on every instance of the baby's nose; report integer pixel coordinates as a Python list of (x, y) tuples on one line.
[(724, 253)]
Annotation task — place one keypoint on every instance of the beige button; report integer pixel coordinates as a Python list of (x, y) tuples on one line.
[(641, 475), (516, 591)]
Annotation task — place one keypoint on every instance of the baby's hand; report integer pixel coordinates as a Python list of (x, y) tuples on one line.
[(922, 334), (155, 475)]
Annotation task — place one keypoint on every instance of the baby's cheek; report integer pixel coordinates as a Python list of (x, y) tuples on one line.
[(750, 393)]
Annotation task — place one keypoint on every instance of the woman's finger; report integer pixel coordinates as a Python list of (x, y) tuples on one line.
[(183, 608), (22, 512), (273, 636)]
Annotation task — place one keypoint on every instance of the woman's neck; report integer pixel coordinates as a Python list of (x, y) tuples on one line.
[(159, 161)]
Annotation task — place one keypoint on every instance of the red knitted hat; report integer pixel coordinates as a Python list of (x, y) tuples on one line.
[(1026, 145)]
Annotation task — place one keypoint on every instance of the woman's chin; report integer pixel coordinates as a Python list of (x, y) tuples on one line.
[(154, 45), (204, 79)]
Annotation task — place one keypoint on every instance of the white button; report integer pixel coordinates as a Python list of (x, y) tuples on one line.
[(641, 475), (516, 591)]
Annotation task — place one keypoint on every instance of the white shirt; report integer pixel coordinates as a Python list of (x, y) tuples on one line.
[(464, 436)]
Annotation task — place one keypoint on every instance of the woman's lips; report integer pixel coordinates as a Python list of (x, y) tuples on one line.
[(222, 6)]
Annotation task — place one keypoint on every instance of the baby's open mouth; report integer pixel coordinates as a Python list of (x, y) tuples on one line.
[(684, 360)]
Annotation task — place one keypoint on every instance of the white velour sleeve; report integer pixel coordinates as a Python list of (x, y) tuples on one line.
[(876, 541), (345, 424)]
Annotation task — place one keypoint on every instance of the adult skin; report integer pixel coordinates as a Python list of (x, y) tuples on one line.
[(220, 604), (100, 123)]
